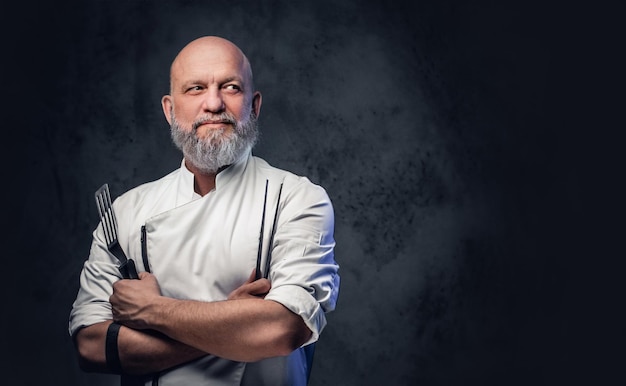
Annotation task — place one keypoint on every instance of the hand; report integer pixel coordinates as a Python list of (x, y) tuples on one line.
[(130, 298), (251, 288)]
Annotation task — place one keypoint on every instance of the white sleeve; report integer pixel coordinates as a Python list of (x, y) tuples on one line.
[(303, 272)]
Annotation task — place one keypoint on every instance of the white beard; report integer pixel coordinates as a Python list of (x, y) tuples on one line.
[(217, 149)]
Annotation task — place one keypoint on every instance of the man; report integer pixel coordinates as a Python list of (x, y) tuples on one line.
[(200, 313)]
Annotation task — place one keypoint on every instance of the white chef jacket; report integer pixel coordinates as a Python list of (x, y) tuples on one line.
[(202, 248)]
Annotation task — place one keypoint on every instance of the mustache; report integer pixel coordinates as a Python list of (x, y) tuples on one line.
[(222, 117)]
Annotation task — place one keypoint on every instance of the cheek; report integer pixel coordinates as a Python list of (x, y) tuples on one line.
[(238, 108), (185, 115)]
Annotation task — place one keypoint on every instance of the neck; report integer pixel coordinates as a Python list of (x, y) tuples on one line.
[(203, 182)]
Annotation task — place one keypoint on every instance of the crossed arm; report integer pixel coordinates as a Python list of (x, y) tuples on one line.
[(160, 332)]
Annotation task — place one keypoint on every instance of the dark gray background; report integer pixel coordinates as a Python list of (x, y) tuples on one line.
[(474, 220)]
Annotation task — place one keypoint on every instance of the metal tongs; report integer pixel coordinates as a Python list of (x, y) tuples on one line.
[(109, 225), (268, 258)]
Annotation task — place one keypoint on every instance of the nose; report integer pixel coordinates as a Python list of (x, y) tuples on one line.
[(213, 101)]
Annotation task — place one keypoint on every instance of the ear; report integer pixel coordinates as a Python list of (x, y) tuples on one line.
[(166, 104), (257, 99)]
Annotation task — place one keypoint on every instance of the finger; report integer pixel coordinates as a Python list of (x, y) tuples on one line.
[(259, 287), (144, 275)]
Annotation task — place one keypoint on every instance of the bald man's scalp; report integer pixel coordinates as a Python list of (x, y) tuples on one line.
[(212, 43)]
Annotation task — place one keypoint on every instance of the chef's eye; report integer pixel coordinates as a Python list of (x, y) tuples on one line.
[(232, 87)]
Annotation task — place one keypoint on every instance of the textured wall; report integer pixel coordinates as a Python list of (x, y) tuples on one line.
[(456, 194)]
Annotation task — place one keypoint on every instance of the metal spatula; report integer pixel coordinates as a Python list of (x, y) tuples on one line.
[(109, 225)]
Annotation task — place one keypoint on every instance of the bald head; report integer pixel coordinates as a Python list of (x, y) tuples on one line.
[(210, 76), (212, 107), (209, 51)]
